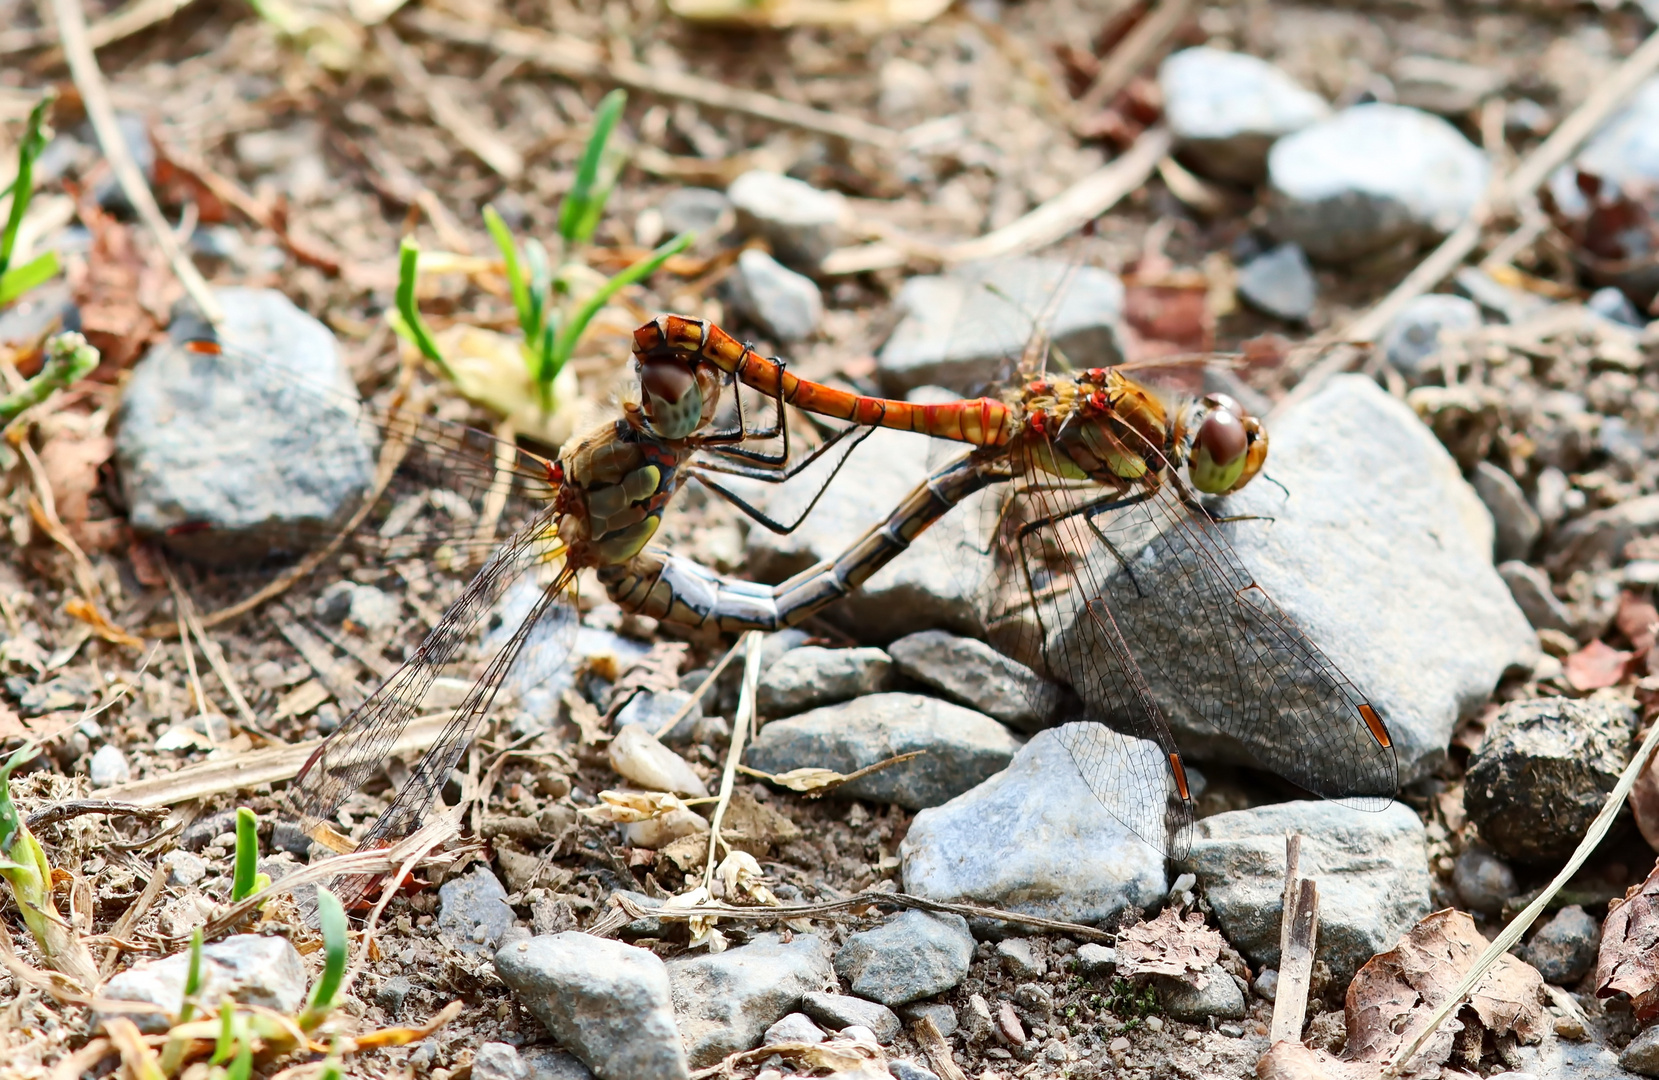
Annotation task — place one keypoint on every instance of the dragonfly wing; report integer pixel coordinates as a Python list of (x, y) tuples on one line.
[(1221, 656), (360, 746)]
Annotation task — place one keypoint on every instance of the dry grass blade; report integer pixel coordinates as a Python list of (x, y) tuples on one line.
[(937, 1049), (815, 782), (740, 729), (1132, 53), (472, 132), (126, 22), (1301, 919), (697, 694)]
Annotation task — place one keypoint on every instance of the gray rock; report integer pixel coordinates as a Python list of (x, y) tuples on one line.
[(1565, 948), (1095, 960), (913, 955), (1611, 303), (801, 223), (943, 1016), (1380, 520), (725, 1001), (1493, 296), (1020, 960), (1531, 589), (370, 608), (1034, 838), (252, 969), (1372, 870), (656, 709), (1603, 534), (1543, 772), (811, 676), (1413, 337), (109, 766), (1035, 1003), (1279, 283), (1446, 87), (606, 1002), (183, 868), (1642, 1053), (646, 927), (703, 211), (933, 585), (1371, 177), (901, 1069), (959, 329), (795, 1027), (785, 305), (1267, 984), (546, 1063), (961, 747), (1515, 524), (392, 993), (503, 1061), (971, 673), (265, 453), (837, 1011), (473, 912), (1226, 110), (1483, 881), (1219, 997)]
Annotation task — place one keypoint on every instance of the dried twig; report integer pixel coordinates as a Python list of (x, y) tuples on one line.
[(575, 59), (130, 20), (471, 131), (1518, 926), (933, 1043), (1301, 932), (740, 729), (89, 80), (74, 808), (697, 694), (1131, 54)]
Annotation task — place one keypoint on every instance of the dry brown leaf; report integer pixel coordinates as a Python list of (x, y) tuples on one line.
[(752, 826), (117, 291), (1170, 945), (624, 807), (1629, 958), (814, 781), (1644, 803), (1595, 666), (72, 464), (585, 717), (742, 881)]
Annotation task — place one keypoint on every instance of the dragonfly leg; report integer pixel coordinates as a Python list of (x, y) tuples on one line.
[(774, 477), (1216, 519), (1091, 510), (728, 440)]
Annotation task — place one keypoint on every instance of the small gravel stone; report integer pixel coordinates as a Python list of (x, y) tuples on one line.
[(1496, 298), (251, 968), (1267, 984), (1449, 88), (1020, 960), (184, 869), (785, 305), (606, 1002), (365, 606), (392, 993), (1279, 283), (1642, 1054), (500, 1061), (812, 676), (635, 754), (1226, 110), (942, 1015), (913, 955), (1564, 949), (703, 211), (909, 1070), (109, 766), (654, 709), (976, 1018), (1095, 960), (1531, 589), (1036, 1004), (1231, 1031), (1413, 338), (1220, 997), (1602, 534), (962, 747), (837, 1011), (725, 1001), (1611, 303), (794, 1027), (801, 223), (1371, 177), (1516, 525), (970, 672), (1543, 772), (473, 912)]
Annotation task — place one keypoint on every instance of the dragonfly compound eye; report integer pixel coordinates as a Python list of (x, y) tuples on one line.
[(672, 398), (1219, 452)]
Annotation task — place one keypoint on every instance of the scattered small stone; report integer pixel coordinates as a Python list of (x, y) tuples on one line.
[(1230, 1031), (801, 223), (958, 330), (1279, 283), (794, 1027), (1009, 1031), (976, 1018), (392, 993), (725, 1001), (1531, 589), (109, 766), (1267, 984), (183, 868), (1612, 303), (785, 305), (1642, 1054), (285, 455), (1602, 534), (1447, 87), (703, 211), (1020, 960), (1543, 772), (1036, 1003), (473, 912), (1515, 523), (363, 606), (1565, 948), (499, 1061), (532, 1063), (1219, 997), (1413, 338), (636, 754), (1155, 1023), (909, 1070), (970, 672), (1226, 109), (1372, 870), (1371, 177), (913, 955), (1510, 305), (942, 1015), (812, 676), (1095, 960), (654, 709), (606, 1002), (251, 968), (859, 1033), (978, 846), (837, 1011), (961, 747)]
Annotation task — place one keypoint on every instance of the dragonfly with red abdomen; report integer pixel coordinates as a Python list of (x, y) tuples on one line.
[(1106, 568)]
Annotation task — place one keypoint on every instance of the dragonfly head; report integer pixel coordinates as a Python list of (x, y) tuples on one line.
[(1229, 446), (674, 397)]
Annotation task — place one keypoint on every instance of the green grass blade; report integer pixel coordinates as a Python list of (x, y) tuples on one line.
[(23, 187), (332, 918), (571, 332), (242, 883), (409, 322), (20, 279), (516, 282), (579, 212)]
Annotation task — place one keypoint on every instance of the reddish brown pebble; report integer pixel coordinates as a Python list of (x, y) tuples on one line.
[(1008, 1025), (1119, 1045)]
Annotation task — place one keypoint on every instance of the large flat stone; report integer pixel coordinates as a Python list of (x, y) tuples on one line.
[(725, 1001)]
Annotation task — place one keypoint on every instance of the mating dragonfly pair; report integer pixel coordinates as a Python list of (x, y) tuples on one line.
[(1103, 558)]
